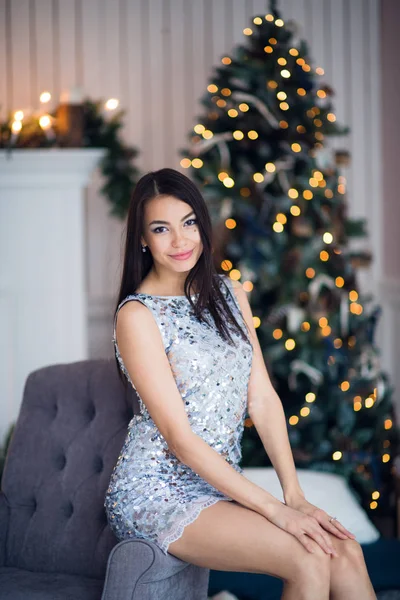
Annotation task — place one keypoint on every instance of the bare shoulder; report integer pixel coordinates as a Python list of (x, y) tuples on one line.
[(134, 319)]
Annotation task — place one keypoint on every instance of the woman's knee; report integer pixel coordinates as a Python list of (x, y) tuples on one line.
[(350, 557), (311, 569)]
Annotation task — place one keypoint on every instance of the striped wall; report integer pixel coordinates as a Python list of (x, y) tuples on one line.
[(156, 56)]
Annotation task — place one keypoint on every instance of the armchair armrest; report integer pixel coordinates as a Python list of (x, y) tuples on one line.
[(4, 517), (139, 570)]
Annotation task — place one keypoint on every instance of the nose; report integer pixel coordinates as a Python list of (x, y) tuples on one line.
[(179, 240)]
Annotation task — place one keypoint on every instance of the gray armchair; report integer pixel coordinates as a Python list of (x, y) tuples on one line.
[(55, 542)]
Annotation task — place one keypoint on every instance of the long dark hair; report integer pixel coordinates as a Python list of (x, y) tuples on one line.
[(202, 277)]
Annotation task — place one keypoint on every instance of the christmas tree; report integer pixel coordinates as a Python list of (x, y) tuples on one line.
[(277, 196)]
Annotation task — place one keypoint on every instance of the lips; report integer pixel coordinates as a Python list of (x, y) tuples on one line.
[(182, 256)]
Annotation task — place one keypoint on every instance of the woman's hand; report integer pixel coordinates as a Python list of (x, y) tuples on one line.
[(300, 503), (302, 526)]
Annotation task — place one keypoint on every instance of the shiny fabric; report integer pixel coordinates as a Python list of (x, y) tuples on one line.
[(151, 494)]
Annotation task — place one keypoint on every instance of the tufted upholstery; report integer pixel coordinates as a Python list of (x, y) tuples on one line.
[(54, 538)]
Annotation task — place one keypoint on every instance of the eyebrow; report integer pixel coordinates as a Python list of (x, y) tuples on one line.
[(166, 222)]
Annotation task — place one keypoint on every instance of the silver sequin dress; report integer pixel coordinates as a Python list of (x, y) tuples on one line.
[(151, 494)]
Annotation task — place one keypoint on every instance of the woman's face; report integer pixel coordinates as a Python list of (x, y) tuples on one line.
[(170, 228)]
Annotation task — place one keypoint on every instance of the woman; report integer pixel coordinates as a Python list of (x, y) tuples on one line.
[(184, 339)]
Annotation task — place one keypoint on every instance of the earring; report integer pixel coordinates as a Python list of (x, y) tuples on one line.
[(144, 249)]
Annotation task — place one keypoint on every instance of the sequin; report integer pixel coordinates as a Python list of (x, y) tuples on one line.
[(151, 494)]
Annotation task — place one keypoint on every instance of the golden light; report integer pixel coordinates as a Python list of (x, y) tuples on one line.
[(319, 71), (277, 334), (323, 322), (247, 31), (283, 124), (301, 91), (185, 163), (290, 344), (222, 175), (244, 107), (253, 135), (257, 21), (281, 61), (337, 455), (279, 23), (337, 343), (277, 227), (221, 103), (293, 193), (308, 195), (327, 237), (228, 182), (293, 52), (268, 49), (281, 218), (230, 223), (207, 134), (16, 126), (305, 326), (273, 40), (212, 88), (18, 115), (45, 97), (284, 106), (325, 331), (226, 265), (353, 296), (111, 104), (248, 286), (339, 281), (388, 423), (293, 420), (270, 167), (226, 60), (310, 397), (256, 322), (351, 341), (258, 177), (373, 505), (305, 411), (344, 386), (331, 117), (313, 182), (238, 135), (235, 274), (197, 163), (321, 94), (199, 128), (324, 256), (281, 95), (310, 273), (45, 122), (357, 403), (269, 17), (296, 147), (233, 113), (285, 73), (295, 210), (369, 402), (386, 458)]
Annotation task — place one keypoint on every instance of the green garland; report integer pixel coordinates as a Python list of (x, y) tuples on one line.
[(98, 132)]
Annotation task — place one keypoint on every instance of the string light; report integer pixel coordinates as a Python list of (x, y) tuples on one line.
[(327, 237), (45, 97), (111, 104), (337, 455), (310, 273), (293, 420), (277, 334), (228, 182), (197, 163), (388, 423), (230, 223), (290, 344), (305, 411), (310, 397)]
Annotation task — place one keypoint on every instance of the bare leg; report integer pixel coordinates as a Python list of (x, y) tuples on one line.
[(230, 537), (349, 575)]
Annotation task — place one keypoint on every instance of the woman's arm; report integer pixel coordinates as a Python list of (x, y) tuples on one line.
[(266, 411), (141, 347)]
